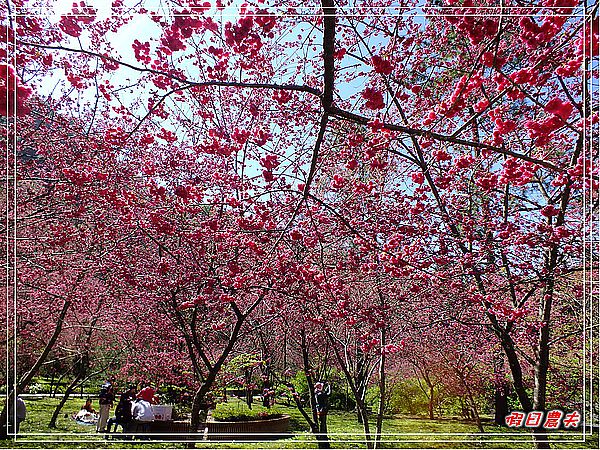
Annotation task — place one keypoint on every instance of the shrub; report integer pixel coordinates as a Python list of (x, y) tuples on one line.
[(37, 388), (173, 394), (339, 400), (404, 397), (239, 412)]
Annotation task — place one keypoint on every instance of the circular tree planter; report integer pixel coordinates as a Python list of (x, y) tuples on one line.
[(249, 430)]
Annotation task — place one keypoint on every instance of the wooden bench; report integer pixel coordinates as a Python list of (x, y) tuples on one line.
[(164, 429), (252, 430)]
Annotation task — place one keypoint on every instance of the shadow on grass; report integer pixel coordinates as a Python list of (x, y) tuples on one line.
[(297, 425)]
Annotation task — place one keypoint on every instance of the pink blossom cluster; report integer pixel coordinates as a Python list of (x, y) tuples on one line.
[(183, 27), (541, 131)]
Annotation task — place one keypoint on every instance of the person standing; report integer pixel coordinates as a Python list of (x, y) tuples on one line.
[(266, 397), (322, 393), (106, 400), (21, 414)]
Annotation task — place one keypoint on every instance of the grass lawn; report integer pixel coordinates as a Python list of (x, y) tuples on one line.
[(343, 430)]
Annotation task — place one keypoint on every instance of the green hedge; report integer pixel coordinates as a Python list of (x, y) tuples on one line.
[(239, 412)]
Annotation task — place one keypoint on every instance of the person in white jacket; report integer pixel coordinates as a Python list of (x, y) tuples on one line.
[(141, 411)]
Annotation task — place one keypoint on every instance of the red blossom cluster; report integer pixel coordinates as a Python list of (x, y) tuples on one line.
[(161, 224), (457, 100), (242, 36), (541, 131), (570, 67), (549, 211), (184, 25), (13, 94), (559, 108), (441, 155), (490, 59), (487, 181), (530, 76), (381, 65), (417, 177), (266, 21), (464, 161), (517, 171), (81, 13), (268, 176), (503, 311), (81, 176), (534, 35), (374, 98), (142, 51), (338, 182), (282, 96), (270, 162), (467, 21), (261, 137)]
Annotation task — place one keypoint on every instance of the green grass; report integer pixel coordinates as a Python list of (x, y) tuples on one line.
[(344, 431)]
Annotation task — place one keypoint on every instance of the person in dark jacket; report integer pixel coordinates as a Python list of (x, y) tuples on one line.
[(123, 415), (322, 393)]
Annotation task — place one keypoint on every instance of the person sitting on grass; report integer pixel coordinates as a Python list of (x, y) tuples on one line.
[(87, 414), (88, 406)]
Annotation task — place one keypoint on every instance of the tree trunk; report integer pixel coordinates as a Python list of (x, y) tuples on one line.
[(474, 411), (5, 421), (361, 382), (381, 406), (199, 412), (26, 379), (322, 437), (431, 397), (543, 345), (540, 438), (63, 400), (360, 404), (501, 404), (516, 372), (359, 414), (57, 384), (52, 394)]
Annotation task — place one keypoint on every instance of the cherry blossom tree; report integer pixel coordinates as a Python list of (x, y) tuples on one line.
[(227, 146)]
